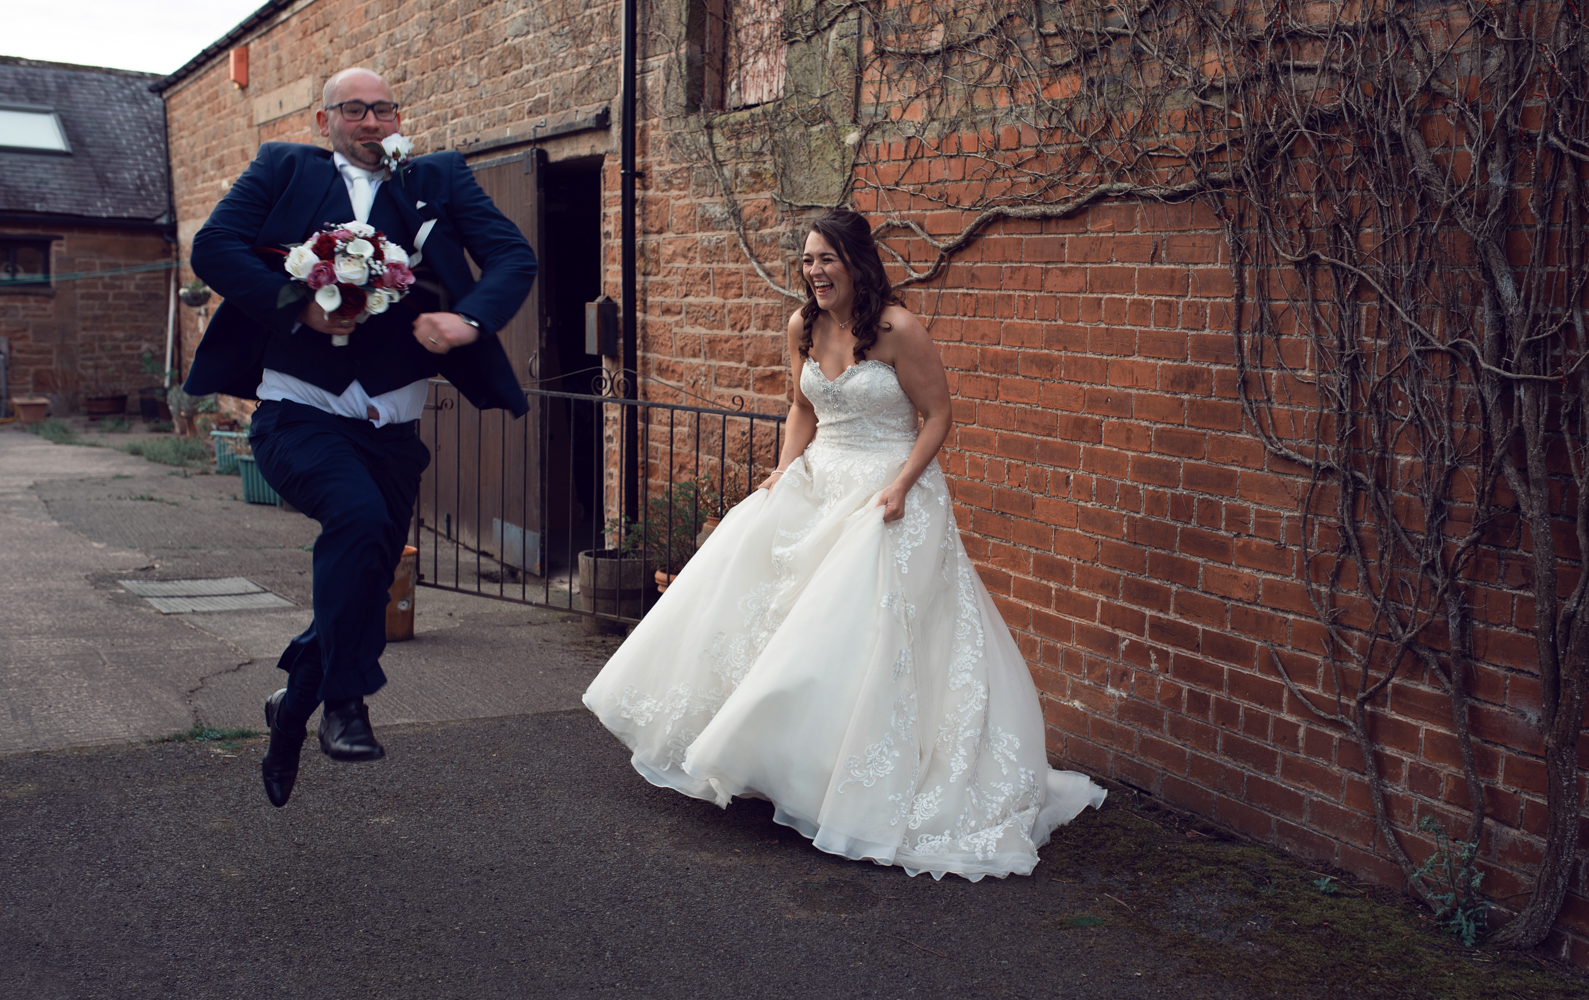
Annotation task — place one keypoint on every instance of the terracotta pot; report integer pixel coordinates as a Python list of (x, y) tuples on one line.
[(664, 578), (706, 530), (31, 409)]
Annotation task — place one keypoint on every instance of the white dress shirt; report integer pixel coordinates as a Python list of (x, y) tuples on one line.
[(396, 407)]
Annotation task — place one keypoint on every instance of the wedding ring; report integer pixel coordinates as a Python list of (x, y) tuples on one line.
[(431, 339)]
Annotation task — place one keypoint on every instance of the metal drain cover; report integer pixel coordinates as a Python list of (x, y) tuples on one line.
[(177, 597)]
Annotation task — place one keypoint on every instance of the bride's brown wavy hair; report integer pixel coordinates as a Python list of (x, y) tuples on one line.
[(851, 235)]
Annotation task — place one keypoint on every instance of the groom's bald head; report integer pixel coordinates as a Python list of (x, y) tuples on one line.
[(352, 74)]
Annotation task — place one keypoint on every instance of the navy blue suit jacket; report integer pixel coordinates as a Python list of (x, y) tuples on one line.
[(275, 204)]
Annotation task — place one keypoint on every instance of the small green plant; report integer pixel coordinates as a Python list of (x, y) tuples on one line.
[(170, 451), (665, 537), (54, 431), (150, 365), (209, 734), (1325, 885), (1451, 883), (115, 425), (159, 426)]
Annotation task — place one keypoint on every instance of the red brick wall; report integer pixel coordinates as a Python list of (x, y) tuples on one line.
[(87, 336), (1139, 541)]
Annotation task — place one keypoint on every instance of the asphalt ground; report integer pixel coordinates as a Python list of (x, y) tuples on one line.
[(505, 848)]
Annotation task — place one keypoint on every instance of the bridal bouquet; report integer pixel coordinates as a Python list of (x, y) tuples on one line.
[(352, 270)]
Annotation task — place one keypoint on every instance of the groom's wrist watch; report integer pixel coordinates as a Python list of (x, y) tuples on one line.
[(471, 321)]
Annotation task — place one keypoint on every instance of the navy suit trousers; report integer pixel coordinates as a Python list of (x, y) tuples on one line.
[(360, 483)]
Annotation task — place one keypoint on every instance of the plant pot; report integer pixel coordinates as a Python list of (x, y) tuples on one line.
[(228, 446), (664, 579), (255, 489), (706, 531), (400, 605), (31, 409), (152, 404), (611, 585), (110, 405)]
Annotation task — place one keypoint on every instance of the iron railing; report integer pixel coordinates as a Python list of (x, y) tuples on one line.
[(615, 487)]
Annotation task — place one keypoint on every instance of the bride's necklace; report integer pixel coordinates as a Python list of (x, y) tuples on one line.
[(846, 324)]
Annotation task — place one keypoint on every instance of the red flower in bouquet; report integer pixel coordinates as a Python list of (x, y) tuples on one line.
[(353, 271)]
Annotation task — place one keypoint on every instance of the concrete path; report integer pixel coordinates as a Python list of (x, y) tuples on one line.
[(505, 848), (84, 662)]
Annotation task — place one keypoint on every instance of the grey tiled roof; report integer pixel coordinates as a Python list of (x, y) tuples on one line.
[(116, 128)]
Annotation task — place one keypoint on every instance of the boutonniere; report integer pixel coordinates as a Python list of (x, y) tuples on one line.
[(396, 152)]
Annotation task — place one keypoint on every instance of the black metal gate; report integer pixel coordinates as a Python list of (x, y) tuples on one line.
[(580, 504)]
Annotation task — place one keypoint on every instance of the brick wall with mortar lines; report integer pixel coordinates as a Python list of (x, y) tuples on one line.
[(1137, 538), (1145, 549), (464, 72), (1138, 541), (88, 335)]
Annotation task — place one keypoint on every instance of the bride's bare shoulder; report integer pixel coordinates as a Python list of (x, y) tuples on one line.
[(900, 333)]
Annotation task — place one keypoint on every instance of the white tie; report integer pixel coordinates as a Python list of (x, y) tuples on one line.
[(363, 192)]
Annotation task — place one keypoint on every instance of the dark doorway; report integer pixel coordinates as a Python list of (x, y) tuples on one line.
[(571, 275)]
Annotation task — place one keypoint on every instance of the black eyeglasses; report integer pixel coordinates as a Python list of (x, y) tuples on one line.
[(354, 111)]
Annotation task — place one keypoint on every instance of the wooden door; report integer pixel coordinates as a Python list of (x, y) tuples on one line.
[(483, 490)]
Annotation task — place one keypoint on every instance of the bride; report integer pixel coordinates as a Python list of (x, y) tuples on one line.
[(831, 647)]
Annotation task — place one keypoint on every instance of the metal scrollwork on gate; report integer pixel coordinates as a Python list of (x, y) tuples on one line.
[(612, 385)]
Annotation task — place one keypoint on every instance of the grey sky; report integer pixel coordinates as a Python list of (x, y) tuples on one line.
[(156, 36)]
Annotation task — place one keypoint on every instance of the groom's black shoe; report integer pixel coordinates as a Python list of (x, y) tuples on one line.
[(345, 732), (280, 766)]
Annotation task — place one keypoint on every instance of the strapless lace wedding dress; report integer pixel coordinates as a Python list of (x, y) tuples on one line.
[(854, 673)]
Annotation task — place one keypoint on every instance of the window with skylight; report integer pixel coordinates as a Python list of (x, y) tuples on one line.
[(31, 130)]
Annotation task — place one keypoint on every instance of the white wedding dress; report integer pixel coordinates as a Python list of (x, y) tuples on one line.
[(854, 673)]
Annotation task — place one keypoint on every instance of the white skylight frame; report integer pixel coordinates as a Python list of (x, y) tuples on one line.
[(41, 115)]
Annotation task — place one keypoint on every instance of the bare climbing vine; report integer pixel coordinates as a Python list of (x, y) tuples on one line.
[(1399, 186)]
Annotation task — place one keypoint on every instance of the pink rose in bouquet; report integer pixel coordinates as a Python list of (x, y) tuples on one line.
[(353, 271)]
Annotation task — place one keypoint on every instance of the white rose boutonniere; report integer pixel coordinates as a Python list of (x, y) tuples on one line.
[(395, 151)]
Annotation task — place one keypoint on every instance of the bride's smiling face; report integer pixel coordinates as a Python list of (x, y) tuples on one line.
[(825, 273)]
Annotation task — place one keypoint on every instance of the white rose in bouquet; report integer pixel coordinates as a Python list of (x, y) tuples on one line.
[(394, 254), (377, 301), (352, 270), (299, 260), (360, 229)]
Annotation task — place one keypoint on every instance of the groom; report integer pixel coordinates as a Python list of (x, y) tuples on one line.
[(336, 429)]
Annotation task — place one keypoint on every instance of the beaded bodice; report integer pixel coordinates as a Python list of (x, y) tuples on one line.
[(863, 408)]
